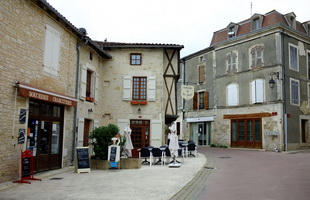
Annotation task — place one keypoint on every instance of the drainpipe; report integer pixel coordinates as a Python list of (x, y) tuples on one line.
[(75, 128), (284, 93), (183, 100)]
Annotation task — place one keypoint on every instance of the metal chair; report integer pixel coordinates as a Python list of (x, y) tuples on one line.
[(146, 154), (191, 147), (157, 154)]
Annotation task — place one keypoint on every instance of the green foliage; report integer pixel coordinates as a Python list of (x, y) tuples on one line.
[(101, 137)]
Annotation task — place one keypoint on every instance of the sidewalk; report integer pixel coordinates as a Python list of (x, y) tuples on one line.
[(149, 182)]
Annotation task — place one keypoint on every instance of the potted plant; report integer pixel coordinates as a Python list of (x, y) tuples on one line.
[(102, 139)]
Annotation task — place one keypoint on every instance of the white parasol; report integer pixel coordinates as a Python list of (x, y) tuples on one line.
[(128, 144), (173, 145)]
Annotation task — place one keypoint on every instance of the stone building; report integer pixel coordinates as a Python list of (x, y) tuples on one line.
[(139, 88), (252, 85), (40, 57)]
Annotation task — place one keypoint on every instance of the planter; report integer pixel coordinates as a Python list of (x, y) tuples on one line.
[(126, 163)]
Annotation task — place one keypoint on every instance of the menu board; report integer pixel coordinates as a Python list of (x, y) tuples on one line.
[(82, 159)]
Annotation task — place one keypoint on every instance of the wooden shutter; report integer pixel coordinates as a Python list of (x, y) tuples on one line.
[(80, 131), (96, 81), (201, 74), (83, 83), (127, 88), (151, 95), (206, 100), (195, 101), (96, 123), (51, 50)]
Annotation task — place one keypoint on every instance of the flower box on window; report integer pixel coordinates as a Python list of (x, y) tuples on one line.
[(91, 99), (138, 102)]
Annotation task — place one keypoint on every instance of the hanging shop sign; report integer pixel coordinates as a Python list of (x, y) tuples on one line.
[(187, 92)]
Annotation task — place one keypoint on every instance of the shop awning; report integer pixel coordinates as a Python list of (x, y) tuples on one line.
[(33, 92)]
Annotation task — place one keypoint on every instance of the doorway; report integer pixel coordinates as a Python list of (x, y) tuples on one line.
[(44, 135), (140, 135)]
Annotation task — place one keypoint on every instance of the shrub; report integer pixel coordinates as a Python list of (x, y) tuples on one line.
[(101, 137)]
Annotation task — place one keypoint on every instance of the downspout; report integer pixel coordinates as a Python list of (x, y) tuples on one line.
[(183, 100), (74, 128), (284, 93)]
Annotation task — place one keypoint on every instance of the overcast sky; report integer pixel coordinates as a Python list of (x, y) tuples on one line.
[(186, 22)]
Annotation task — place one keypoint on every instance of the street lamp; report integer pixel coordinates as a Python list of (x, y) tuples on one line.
[(272, 81)]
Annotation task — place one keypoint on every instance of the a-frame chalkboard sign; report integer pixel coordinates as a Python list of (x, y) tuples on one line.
[(26, 169), (82, 160)]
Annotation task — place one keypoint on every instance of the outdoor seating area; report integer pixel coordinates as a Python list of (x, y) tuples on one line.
[(162, 156)]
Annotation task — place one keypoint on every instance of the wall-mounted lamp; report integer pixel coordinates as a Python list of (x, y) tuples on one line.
[(272, 81), (90, 110), (139, 110)]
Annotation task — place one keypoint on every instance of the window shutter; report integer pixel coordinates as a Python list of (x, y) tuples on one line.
[(151, 96), (55, 53), (83, 83), (195, 103), (127, 88), (96, 123), (96, 81), (201, 74), (48, 55), (80, 131), (206, 99)]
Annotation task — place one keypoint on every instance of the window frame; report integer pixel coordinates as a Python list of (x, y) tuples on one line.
[(290, 57), (201, 74), (254, 56), (257, 94), (292, 93), (137, 89), (229, 62), (256, 24), (90, 85), (232, 94), (134, 60)]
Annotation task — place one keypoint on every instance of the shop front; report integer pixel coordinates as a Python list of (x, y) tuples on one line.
[(45, 127)]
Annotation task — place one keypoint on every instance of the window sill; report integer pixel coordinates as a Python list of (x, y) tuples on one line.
[(138, 102)]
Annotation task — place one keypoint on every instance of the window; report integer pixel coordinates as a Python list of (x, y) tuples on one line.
[(201, 74), (231, 62), (89, 85), (139, 88), (231, 32), (294, 90), (135, 59), (90, 56), (51, 50), (257, 89), (201, 100), (255, 24), (293, 56), (256, 56), (232, 94)]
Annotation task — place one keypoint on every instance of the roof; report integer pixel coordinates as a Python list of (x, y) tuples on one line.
[(244, 27), (53, 13), (109, 45)]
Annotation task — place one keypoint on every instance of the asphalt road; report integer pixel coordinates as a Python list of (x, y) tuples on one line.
[(238, 174)]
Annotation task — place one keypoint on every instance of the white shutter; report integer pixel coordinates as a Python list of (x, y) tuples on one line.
[(96, 92), (55, 52), (48, 55), (96, 123), (83, 83), (151, 96), (80, 132), (127, 88)]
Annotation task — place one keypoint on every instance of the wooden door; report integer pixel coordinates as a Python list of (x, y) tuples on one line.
[(140, 135)]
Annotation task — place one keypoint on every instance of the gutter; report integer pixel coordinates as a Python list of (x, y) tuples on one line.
[(284, 93)]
